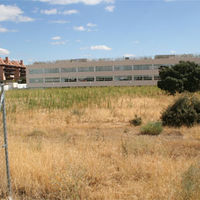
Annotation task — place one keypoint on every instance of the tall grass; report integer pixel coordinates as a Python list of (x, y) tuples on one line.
[(59, 98)]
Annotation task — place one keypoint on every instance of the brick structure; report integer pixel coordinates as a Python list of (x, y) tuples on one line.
[(11, 70)]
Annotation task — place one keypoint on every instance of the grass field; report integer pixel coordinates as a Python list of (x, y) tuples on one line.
[(77, 143)]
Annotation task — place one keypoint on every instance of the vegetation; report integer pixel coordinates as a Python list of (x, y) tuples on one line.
[(184, 111), (191, 183), (137, 121), (61, 98), (184, 76), (152, 128), (22, 80), (88, 150)]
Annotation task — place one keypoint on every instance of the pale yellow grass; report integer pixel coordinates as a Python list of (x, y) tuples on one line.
[(93, 153), (120, 111)]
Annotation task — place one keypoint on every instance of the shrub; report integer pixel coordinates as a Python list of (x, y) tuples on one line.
[(184, 111), (136, 121), (190, 185), (152, 128), (196, 104)]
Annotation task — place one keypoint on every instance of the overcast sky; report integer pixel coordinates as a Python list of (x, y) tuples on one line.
[(47, 30)]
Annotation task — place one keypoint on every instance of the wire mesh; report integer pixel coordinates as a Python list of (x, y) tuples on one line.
[(4, 148), (3, 180)]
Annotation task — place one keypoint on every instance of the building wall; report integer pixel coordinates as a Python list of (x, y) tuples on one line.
[(11, 70), (40, 74)]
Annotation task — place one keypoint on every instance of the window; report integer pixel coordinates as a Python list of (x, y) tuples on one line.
[(146, 67), (68, 69), (147, 77), (156, 77), (103, 68), (68, 79), (122, 68), (51, 70), (137, 77), (52, 80), (142, 77), (142, 67), (104, 78), (35, 71), (137, 67), (36, 80), (123, 78), (156, 66), (86, 79), (85, 69)]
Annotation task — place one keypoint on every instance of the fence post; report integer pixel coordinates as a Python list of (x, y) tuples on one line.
[(6, 143)]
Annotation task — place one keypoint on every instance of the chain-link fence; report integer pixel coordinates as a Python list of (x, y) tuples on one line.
[(3, 180), (5, 184)]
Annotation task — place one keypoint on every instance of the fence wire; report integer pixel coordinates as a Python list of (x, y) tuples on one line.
[(4, 148), (3, 179)]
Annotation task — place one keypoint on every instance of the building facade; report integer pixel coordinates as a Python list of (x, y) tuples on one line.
[(11, 70), (83, 72)]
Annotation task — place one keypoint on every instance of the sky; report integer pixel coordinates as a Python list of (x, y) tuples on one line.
[(49, 30)]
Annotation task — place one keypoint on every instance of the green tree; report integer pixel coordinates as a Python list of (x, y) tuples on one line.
[(184, 76)]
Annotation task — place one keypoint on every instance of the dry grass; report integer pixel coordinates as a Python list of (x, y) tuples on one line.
[(92, 152)]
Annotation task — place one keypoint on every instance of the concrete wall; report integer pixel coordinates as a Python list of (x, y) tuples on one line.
[(75, 64)]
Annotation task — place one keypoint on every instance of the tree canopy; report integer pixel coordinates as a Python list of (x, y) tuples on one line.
[(181, 77)]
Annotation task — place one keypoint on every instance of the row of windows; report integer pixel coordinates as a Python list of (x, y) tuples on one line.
[(92, 79), (92, 69)]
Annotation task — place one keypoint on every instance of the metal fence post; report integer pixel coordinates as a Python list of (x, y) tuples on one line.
[(6, 143)]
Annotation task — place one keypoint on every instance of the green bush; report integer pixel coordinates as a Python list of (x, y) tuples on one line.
[(152, 128), (137, 121), (184, 76), (196, 104), (191, 183), (184, 111)]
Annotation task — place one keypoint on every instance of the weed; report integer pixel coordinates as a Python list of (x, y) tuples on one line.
[(137, 121), (60, 98), (36, 133), (152, 128), (191, 183), (124, 147)]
